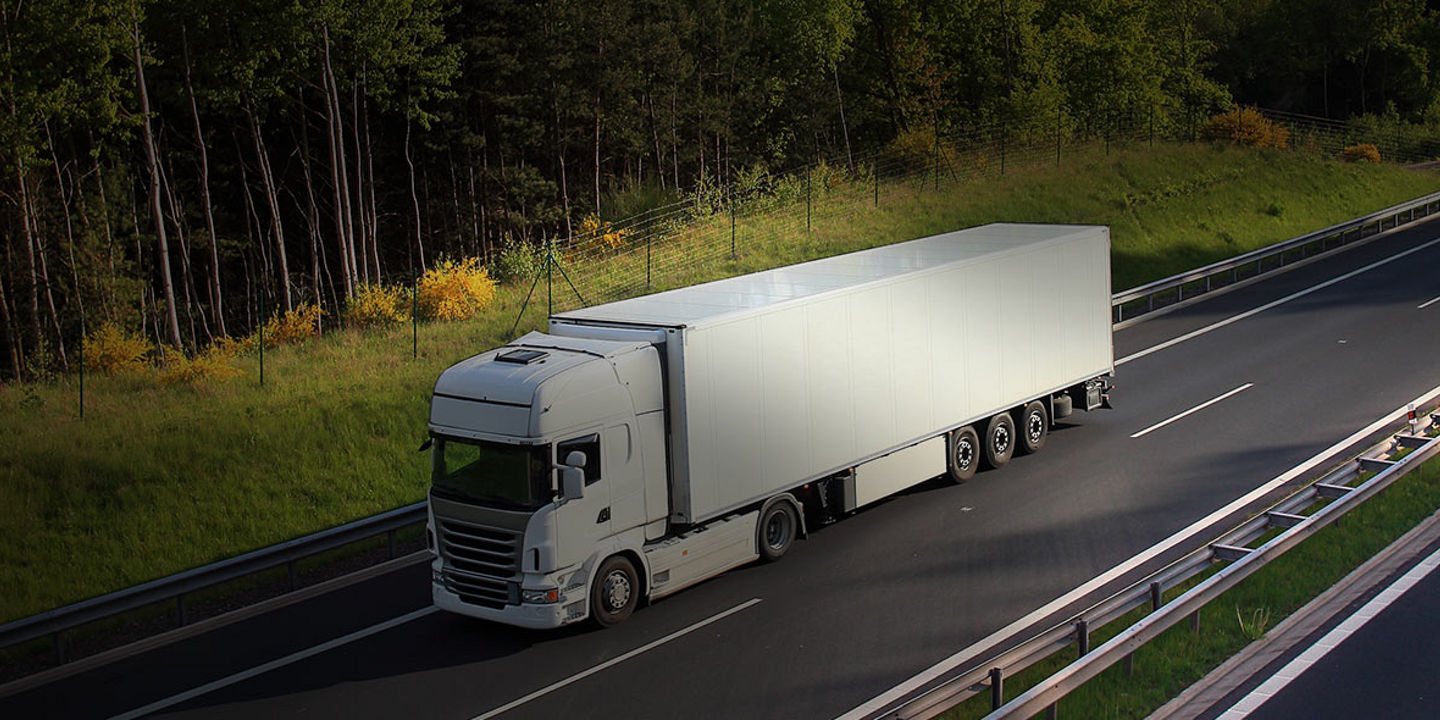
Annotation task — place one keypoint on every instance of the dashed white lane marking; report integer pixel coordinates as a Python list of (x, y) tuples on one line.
[(274, 664), (1256, 311), (1428, 303), (616, 660), (1332, 639), (1193, 410)]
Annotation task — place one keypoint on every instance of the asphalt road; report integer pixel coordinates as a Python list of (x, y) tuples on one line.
[(1389, 668), (868, 602)]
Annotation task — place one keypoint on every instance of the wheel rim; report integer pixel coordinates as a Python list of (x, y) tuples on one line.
[(964, 453), (777, 530), (1002, 439), (1035, 428), (617, 591)]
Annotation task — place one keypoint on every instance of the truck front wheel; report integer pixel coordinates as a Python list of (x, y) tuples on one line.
[(999, 440), (615, 592)]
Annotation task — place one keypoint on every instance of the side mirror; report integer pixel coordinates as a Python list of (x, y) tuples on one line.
[(572, 475)]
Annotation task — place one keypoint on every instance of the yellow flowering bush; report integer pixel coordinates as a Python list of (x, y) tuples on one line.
[(113, 350), (593, 229), (378, 305), (455, 289), (1364, 152), (211, 364), (1247, 126)]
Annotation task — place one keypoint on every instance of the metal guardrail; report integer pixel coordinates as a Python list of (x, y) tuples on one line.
[(56, 623), (1170, 292), (988, 676), (1156, 295)]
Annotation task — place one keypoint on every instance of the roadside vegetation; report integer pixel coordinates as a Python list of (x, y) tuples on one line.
[(1180, 657), (161, 476)]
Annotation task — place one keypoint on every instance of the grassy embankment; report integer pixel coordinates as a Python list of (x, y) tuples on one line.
[(1181, 657), (157, 479)]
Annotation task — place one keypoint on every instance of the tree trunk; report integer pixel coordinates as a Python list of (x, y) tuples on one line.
[(312, 209), (216, 297), (414, 197), (11, 346), (272, 197), (844, 128), (343, 233), (357, 208), (370, 207), (172, 321)]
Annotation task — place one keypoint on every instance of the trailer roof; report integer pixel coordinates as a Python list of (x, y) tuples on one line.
[(699, 304)]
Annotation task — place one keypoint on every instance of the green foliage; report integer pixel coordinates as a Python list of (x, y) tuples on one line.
[(517, 260)]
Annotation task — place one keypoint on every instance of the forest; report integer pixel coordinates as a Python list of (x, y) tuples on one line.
[(184, 168)]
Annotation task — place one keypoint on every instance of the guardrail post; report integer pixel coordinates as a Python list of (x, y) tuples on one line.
[(290, 574), (390, 542), (60, 647), (1053, 711), (997, 688), (1155, 598), (1195, 622), (1082, 637), (180, 618)]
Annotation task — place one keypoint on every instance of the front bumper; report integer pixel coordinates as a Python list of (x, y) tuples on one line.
[(568, 610)]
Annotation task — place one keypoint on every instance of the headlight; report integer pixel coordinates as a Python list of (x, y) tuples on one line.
[(540, 597)]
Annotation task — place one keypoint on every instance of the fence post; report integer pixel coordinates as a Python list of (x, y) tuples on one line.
[(261, 292), (875, 174), (808, 173), (649, 242), (414, 316), (732, 222), (82, 365), (997, 688), (1004, 138), (1058, 113)]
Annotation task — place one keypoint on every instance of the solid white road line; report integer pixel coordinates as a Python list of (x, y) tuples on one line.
[(1332, 639), (969, 654), (1428, 303), (617, 660), (1193, 410), (273, 664), (1255, 311)]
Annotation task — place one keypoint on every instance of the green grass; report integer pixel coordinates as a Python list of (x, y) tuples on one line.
[(1180, 657), (158, 479)]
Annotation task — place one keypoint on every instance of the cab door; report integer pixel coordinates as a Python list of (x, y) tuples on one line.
[(586, 518)]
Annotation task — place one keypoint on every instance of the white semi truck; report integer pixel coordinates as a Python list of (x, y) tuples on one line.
[(644, 445)]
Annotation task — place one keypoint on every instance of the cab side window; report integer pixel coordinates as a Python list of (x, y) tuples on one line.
[(590, 445)]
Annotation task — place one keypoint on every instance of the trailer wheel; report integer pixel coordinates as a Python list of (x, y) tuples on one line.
[(964, 454), (615, 592), (1034, 427), (777, 529), (999, 440)]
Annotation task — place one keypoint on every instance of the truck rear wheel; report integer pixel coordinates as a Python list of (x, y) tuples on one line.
[(615, 592), (964, 457), (1034, 427), (999, 440), (777, 529)]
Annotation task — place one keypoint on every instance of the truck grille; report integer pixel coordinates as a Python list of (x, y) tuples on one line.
[(480, 563)]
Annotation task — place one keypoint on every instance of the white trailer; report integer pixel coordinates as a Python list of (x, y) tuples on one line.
[(644, 445)]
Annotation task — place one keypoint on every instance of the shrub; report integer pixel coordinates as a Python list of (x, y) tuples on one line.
[(113, 350), (597, 232), (1364, 152), (374, 304), (455, 290), (294, 326), (212, 364), (1246, 126), (517, 260)]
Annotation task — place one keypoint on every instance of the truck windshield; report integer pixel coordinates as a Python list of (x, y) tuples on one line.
[(493, 474)]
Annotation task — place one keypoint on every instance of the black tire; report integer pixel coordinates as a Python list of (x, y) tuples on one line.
[(1034, 427), (964, 456), (615, 592), (999, 440), (779, 524)]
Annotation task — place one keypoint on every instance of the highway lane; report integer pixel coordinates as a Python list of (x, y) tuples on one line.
[(866, 603)]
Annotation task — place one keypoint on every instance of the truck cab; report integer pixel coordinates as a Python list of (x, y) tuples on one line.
[(548, 459)]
